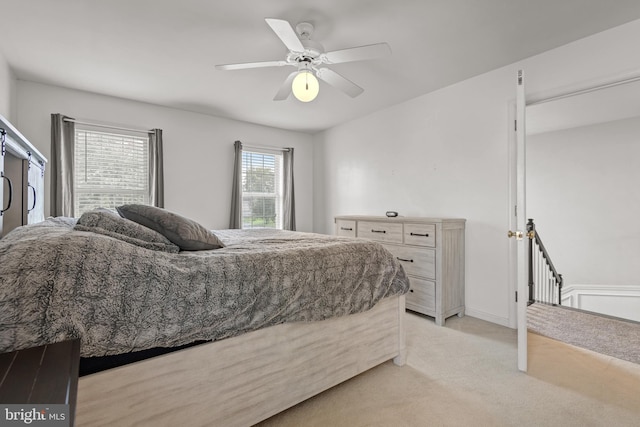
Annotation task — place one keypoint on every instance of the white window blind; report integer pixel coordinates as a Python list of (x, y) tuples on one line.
[(261, 190), (110, 170)]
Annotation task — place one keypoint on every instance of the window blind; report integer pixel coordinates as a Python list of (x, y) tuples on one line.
[(261, 190), (110, 169)]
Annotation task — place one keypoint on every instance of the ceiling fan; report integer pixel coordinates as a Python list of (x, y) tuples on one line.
[(308, 56)]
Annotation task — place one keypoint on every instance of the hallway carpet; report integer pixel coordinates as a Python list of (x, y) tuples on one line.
[(603, 334)]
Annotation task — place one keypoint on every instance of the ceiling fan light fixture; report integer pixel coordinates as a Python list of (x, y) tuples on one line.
[(305, 86), (308, 56)]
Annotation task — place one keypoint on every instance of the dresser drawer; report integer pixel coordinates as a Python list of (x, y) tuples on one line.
[(421, 296), (416, 261), (345, 228), (381, 231), (420, 234)]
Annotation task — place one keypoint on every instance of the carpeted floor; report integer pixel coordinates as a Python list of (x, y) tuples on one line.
[(602, 334), (465, 374)]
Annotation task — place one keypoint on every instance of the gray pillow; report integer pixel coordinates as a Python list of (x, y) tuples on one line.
[(109, 223), (184, 232)]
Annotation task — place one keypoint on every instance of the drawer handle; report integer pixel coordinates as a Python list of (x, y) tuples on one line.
[(3, 176), (378, 231), (346, 228), (34, 197), (421, 235), (405, 260)]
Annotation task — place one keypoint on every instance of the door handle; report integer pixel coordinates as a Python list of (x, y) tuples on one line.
[(517, 234), (34, 198), (2, 175)]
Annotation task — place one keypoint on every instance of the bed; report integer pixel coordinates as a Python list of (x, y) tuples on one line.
[(282, 317)]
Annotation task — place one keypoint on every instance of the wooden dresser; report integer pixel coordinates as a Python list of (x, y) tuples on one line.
[(431, 251)]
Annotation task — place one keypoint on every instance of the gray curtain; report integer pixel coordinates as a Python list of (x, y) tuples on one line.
[(289, 204), (62, 155), (156, 169), (235, 221)]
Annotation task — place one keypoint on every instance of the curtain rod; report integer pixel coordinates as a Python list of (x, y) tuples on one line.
[(583, 91), (264, 147), (107, 126)]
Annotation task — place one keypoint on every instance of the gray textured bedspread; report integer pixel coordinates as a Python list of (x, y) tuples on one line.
[(57, 283)]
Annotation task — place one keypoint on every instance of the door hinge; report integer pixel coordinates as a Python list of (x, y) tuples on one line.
[(516, 296), (515, 126), (515, 210)]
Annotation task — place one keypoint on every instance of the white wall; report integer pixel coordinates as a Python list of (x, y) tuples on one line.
[(582, 193), (7, 89), (446, 154), (198, 149)]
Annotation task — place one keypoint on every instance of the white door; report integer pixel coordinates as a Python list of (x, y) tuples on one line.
[(519, 234)]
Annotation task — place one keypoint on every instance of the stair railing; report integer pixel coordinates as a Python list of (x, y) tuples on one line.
[(545, 283)]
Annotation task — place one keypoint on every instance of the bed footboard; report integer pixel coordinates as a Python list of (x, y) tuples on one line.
[(243, 380)]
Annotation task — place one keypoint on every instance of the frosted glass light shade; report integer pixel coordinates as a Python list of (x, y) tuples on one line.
[(305, 86)]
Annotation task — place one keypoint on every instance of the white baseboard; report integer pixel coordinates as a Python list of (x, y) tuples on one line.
[(478, 314)]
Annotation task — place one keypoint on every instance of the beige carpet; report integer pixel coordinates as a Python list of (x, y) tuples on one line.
[(465, 374)]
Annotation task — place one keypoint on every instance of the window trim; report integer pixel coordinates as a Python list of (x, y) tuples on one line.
[(118, 133), (278, 195)]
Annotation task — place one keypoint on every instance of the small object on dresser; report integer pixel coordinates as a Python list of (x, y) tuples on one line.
[(392, 214)]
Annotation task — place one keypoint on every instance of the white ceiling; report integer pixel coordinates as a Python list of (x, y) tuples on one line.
[(164, 51)]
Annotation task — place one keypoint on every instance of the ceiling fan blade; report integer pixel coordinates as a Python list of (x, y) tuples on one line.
[(285, 89), (245, 65), (286, 33), (360, 53), (337, 81)]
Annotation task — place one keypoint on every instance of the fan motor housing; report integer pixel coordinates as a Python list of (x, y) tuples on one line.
[(312, 52)]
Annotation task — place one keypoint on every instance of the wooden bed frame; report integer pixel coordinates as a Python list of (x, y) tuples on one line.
[(243, 380)]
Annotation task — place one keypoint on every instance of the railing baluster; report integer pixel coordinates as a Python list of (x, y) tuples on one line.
[(538, 274), (538, 296), (543, 282), (540, 259), (546, 281), (546, 286)]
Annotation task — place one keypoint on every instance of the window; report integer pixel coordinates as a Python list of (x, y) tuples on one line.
[(261, 189), (110, 169)]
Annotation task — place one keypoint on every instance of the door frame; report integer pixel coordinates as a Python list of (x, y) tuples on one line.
[(521, 221), (517, 200), (517, 219)]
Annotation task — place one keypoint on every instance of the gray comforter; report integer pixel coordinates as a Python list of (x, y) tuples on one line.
[(57, 283)]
